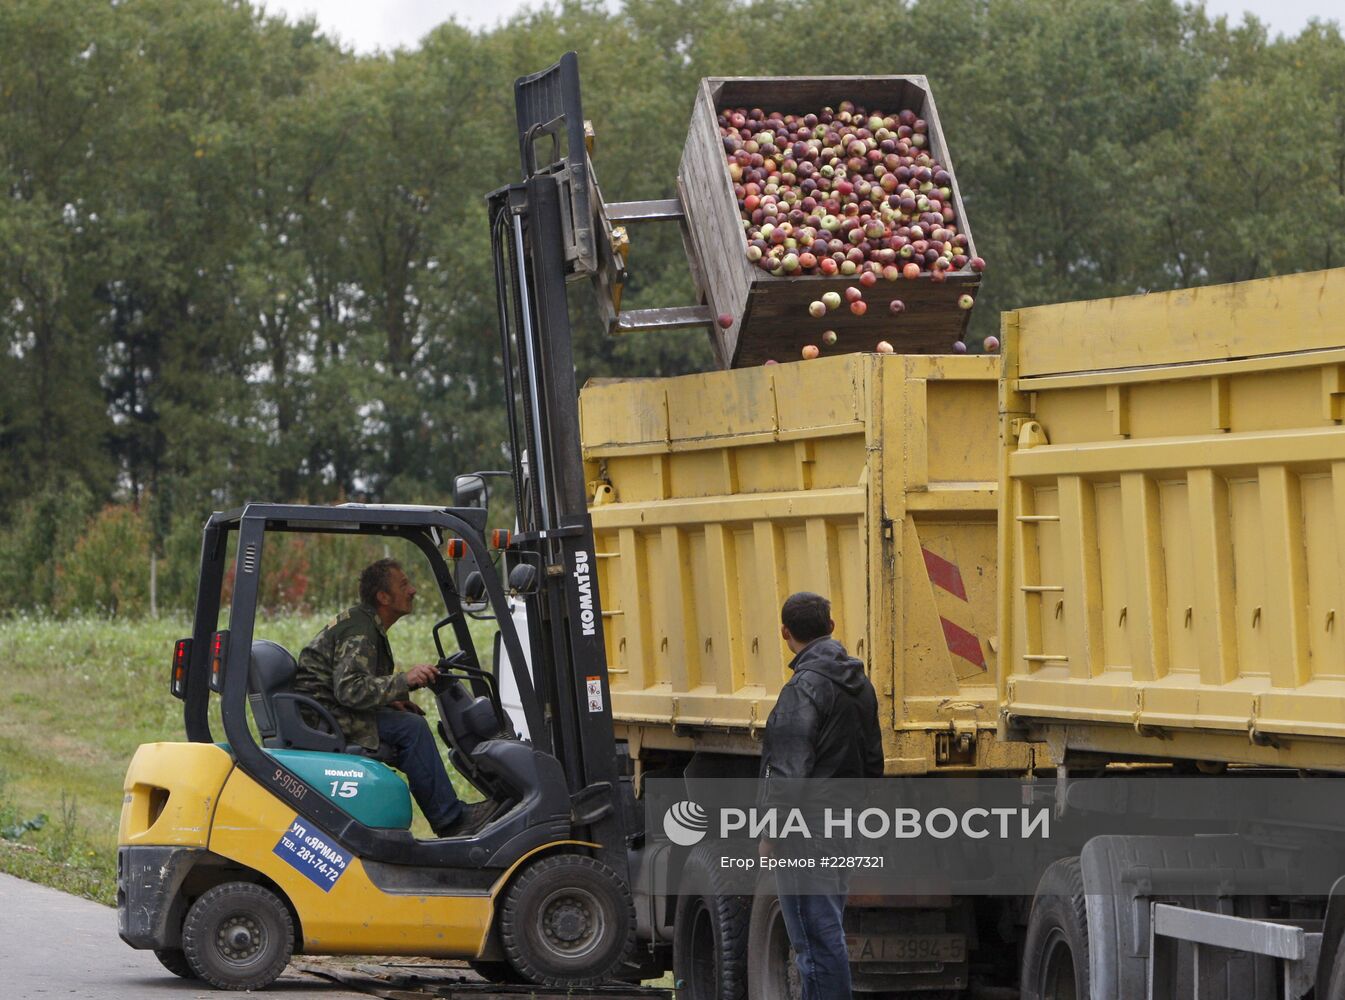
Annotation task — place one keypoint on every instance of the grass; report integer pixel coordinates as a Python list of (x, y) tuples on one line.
[(76, 698)]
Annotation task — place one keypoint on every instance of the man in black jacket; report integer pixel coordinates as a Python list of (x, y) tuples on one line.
[(824, 725)]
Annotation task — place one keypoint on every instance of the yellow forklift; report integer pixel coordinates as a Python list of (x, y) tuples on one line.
[(238, 850)]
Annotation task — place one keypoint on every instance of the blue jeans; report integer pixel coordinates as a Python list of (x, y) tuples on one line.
[(415, 754), (812, 905)]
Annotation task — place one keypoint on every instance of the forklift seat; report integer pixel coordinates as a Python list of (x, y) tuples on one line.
[(276, 708)]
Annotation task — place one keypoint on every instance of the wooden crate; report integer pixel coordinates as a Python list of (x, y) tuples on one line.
[(770, 314)]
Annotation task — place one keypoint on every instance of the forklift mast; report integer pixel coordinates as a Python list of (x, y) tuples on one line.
[(542, 235)]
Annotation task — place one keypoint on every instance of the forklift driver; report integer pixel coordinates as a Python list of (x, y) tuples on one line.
[(348, 668)]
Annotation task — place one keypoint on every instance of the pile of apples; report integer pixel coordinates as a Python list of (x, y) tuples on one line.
[(845, 192)]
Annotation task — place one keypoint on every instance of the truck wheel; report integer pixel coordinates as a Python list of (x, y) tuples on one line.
[(1055, 954), (710, 936), (772, 973), (567, 920), (238, 936), (175, 962)]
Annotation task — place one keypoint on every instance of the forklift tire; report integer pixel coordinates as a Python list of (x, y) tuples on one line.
[(567, 920), (175, 962), (1055, 951), (238, 936), (710, 937)]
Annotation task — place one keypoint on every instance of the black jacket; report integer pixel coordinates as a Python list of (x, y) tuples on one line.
[(824, 724)]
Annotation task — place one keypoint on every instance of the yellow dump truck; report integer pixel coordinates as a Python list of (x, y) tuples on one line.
[(1119, 543)]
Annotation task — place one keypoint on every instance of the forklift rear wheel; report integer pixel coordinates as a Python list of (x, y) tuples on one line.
[(175, 962), (238, 936), (1055, 952), (567, 920)]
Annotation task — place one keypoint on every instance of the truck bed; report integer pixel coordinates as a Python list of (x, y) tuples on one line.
[(1175, 505)]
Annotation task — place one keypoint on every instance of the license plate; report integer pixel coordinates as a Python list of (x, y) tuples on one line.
[(907, 947)]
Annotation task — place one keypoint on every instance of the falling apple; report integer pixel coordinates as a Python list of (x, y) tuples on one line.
[(829, 337), (832, 300), (959, 347), (896, 306), (965, 301), (817, 309), (859, 307), (853, 294), (884, 347), (810, 351), (725, 321), (991, 344)]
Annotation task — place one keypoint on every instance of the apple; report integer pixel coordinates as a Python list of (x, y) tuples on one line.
[(991, 344), (911, 271), (817, 309), (868, 279), (725, 320), (810, 351), (829, 337), (896, 307), (883, 347), (853, 294), (959, 347), (965, 301), (859, 307)]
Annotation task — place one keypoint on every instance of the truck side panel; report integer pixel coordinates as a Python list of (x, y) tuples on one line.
[(867, 478), (1179, 523)]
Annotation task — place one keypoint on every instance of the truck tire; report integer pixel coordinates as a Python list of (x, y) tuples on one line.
[(1055, 952), (238, 936), (175, 962), (771, 971), (709, 935), (567, 920)]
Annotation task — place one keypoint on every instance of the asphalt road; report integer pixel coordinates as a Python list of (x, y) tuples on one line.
[(56, 945)]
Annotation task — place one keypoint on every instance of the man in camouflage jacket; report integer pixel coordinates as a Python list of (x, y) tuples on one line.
[(348, 668)]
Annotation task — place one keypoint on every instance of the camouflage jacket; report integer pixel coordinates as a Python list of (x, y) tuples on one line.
[(348, 668)]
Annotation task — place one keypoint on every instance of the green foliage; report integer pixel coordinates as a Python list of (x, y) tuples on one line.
[(107, 570), (238, 262)]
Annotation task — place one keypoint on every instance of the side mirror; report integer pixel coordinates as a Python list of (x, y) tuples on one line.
[(470, 491), (523, 579), (471, 587)]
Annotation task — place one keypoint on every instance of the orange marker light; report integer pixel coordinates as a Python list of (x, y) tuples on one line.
[(500, 538), (455, 548)]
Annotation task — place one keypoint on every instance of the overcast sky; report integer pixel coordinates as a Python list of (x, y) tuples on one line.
[(373, 24)]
